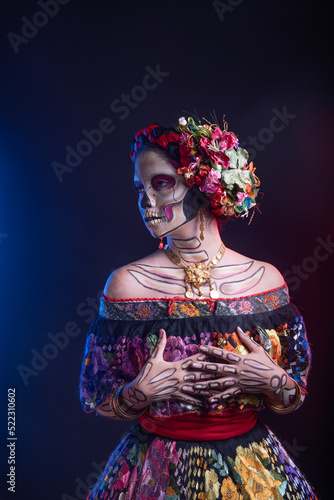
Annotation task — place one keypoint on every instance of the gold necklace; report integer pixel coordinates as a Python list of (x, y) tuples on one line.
[(197, 274)]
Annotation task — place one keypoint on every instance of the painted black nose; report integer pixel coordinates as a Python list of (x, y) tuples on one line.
[(145, 202)]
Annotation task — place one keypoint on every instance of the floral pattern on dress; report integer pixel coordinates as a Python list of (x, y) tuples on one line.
[(296, 355), (111, 362), (146, 466), (177, 307), (149, 467)]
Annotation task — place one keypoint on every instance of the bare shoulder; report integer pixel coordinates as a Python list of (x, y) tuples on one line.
[(121, 283), (270, 277), (117, 284)]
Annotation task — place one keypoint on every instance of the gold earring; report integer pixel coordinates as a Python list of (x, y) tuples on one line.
[(201, 226)]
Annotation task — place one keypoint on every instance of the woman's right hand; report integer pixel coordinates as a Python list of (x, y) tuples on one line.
[(160, 380)]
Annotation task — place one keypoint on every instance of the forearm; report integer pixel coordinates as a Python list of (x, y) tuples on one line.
[(120, 405), (105, 410), (285, 398), (133, 399)]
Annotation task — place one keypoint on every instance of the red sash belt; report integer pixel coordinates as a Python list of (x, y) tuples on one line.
[(200, 428)]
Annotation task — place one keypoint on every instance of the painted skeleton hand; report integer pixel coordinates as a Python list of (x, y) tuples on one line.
[(253, 373), (160, 380)]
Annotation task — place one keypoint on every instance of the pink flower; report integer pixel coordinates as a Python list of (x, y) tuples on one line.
[(214, 176), (193, 164), (133, 481), (185, 143), (208, 188), (184, 138), (211, 182), (155, 474), (214, 150), (176, 349), (215, 147), (241, 196), (227, 140), (123, 477), (134, 356)]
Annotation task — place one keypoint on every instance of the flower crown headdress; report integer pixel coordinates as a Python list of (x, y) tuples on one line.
[(211, 159)]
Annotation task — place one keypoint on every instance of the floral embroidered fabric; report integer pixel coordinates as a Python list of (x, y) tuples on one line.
[(178, 307), (147, 466), (125, 332), (253, 466)]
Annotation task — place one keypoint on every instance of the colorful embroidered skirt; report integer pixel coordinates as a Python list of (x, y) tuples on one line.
[(146, 466)]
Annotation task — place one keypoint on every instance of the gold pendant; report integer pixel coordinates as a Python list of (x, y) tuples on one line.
[(197, 274)]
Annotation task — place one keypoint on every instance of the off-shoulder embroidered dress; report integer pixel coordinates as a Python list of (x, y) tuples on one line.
[(148, 465)]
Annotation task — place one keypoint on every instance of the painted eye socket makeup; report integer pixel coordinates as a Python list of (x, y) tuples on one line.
[(139, 188), (160, 182)]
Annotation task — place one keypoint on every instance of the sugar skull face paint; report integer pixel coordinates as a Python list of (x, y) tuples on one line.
[(165, 202)]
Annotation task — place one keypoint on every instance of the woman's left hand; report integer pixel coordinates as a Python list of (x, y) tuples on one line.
[(255, 372)]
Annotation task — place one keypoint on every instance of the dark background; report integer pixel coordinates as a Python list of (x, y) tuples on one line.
[(60, 240)]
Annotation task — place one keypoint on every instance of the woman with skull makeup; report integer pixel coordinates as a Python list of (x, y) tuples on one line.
[(195, 338)]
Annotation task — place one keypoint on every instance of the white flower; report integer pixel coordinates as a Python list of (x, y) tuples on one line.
[(182, 121), (238, 159), (237, 177)]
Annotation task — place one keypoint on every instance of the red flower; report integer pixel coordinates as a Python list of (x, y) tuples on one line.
[(216, 199), (185, 138), (183, 170), (227, 140), (204, 171), (184, 160), (198, 180), (185, 149), (188, 175), (190, 180), (215, 146)]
